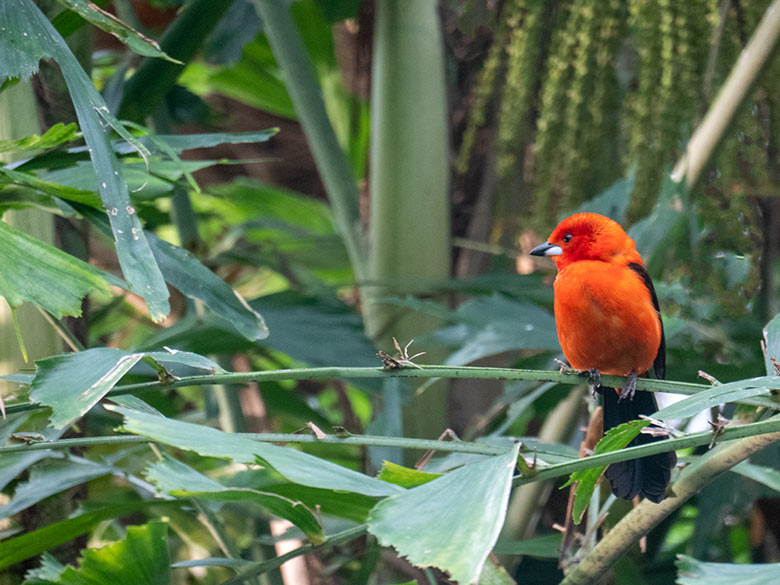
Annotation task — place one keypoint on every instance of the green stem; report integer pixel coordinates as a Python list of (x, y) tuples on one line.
[(540, 474), (692, 440), (306, 94), (363, 440), (644, 517), (327, 373)]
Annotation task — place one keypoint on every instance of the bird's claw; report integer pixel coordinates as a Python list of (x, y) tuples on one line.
[(627, 393)]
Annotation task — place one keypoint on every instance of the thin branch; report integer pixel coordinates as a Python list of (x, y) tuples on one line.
[(326, 373), (762, 428), (771, 425)]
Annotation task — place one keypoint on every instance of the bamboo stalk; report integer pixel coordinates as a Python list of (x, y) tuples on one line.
[(743, 75)]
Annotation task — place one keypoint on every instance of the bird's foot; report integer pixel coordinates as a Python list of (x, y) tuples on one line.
[(630, 388), (594, 377)]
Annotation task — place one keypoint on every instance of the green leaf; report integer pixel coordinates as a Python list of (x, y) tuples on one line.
[(178, 143), (257, 68), (772, 346), (613, 202), (295, 465), (72, 383), (54, 136), (49, 570), (548, 546), (180, 480), (731, 392), (404, 476), (194, 280), (106, 21), (451, 522), (494, 574), (586, 480), (141, 558), (49, 478), (693, 572), (32, 36), (339, 504), (30, 544), (21, 46), (495, 324), (12, 464), (764, 475), (37, 272), (51, 188), (235, 564)]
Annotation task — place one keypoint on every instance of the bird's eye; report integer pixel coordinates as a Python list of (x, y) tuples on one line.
[(567, 238)]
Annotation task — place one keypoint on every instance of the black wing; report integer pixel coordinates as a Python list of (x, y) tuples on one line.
[(659, 364)]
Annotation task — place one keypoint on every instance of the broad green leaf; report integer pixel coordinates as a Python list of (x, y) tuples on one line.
[(25, 379), (178, 143), (295, 465), (693, 572), (194, 280), (49, 478), (48, 571), (135, 41), (30, 37), (146, 181), (586, 480), (404, 476), (613, 202), (654, 233), (257, 68), (338, 504), (548, 546), (72, 383), (141, 558), (51, 188), (21, 46), (764, 475), (34, 271), (180, 480), (495, 324), (54, 136), (731, 392), (451, 522), (772, 346), (494, 574), (20, 548), (302, 327)]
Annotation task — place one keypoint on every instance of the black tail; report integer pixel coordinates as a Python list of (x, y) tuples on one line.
[(649, 475)]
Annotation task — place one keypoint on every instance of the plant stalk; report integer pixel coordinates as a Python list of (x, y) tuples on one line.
[(644, 517)]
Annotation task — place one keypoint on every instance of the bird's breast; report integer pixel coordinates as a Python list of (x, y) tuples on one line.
[(605, 318)]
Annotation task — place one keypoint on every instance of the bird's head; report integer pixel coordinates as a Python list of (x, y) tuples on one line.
[(588, 236)]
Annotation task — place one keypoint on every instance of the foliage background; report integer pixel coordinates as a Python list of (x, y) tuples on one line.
[(421, 151)]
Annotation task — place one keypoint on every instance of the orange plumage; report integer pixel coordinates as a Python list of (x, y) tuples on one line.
[(608, 319)]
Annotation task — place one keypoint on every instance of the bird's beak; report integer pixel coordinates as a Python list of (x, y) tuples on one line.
[(547, 249)]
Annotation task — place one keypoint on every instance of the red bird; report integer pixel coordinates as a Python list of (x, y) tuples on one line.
[(609, 322)]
